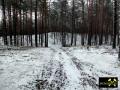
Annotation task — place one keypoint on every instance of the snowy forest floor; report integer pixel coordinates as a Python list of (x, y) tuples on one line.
[(57, 68)]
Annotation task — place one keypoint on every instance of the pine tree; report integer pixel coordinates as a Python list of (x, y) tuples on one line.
[(36, 31), (115, 23)]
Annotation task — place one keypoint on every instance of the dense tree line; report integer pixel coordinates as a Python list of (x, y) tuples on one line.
[(93, 20)]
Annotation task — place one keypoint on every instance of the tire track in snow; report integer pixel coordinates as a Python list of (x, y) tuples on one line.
[(51, 77), (84, 78), (71, 70), (91, 79), (53, 74), (90, 66)]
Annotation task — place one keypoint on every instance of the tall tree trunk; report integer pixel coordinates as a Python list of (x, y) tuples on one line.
[(36, 32), (45, 24), (83, 22), (90, 17), (31, 22), (115, 24), (10, 23), (4, 22), (15, 22), (73, 21)]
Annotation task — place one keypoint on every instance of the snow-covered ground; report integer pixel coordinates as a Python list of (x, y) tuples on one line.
[(57, 68)]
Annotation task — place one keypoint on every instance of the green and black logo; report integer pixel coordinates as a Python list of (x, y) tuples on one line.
[(108, 82)]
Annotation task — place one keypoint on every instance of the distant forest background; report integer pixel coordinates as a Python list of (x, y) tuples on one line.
[(95, 21)]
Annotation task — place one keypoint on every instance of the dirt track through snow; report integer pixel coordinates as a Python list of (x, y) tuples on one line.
[(48, 69)]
